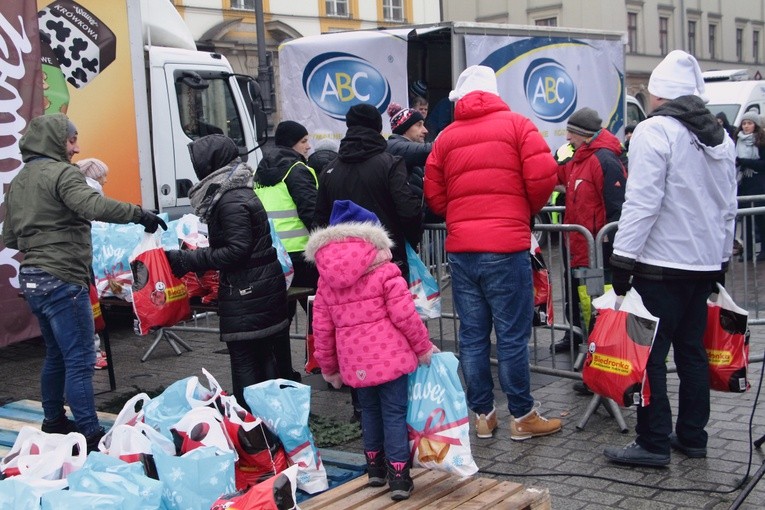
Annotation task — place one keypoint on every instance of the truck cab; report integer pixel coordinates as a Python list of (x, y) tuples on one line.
[(733, 93)]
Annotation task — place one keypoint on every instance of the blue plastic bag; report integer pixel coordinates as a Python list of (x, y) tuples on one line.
[(437, 418), (282, 254), (167, 408), (422, 285), (18, 495), (102, 474), (284, 406), (66, 500), (196, 479)]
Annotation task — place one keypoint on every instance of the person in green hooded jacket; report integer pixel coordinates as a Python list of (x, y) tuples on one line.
[(49, 207)]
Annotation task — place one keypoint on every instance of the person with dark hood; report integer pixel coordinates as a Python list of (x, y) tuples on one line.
[(286, 186), (374, 179), (252, 298), (49, 207), (674, 242)]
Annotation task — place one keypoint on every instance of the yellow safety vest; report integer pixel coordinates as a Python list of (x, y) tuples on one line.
[(281, 208)]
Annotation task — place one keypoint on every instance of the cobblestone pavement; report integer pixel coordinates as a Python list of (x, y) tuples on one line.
[(569, 463)]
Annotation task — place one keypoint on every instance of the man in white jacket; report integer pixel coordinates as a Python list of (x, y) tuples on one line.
[(674, 240)]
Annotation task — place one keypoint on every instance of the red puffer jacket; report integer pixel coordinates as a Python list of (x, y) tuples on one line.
[(489, 172), (595, 181)]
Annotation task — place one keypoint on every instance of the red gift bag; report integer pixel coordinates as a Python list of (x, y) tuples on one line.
[(276, 493), (726, 340), (543, 302), (98, 316), (618, 350), (159, 298)]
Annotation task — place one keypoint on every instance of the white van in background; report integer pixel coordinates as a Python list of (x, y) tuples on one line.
[(733, 93), (635, 111)]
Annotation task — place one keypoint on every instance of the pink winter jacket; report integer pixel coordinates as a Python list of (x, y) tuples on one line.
[(364, 322)]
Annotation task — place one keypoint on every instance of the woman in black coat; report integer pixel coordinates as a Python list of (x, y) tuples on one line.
[(252, 297)]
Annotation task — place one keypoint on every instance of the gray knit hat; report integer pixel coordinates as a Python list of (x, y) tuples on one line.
[(753, 116), (584, 122)]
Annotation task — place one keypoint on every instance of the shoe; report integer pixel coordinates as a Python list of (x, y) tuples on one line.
[(689, 451), (533, 425), (93, 439), (62, 425), (399, 481), (635, 454), (356, 418), (582, 388), (101, 362), (486, 424), (377, 471), (564, 345)]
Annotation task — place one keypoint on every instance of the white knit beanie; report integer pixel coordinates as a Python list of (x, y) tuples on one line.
[(472, 79), (677, 75)]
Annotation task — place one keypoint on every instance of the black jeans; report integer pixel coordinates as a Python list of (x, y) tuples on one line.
[(682, 310)]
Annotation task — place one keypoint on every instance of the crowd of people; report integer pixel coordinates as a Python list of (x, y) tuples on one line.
[(345, 215)]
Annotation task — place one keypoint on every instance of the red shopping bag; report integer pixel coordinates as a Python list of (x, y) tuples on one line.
[(543, 304), (726, 340), (98, 316), (619, 346), (261, 454), (276, 493), (159, 298)]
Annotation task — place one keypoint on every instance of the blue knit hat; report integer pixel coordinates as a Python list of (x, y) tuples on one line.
[(345, 211)]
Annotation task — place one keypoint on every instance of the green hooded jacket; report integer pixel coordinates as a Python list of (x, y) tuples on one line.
[(49, 206)]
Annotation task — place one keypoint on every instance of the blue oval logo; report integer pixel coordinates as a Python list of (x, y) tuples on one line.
[(337, 81), (550, 91)]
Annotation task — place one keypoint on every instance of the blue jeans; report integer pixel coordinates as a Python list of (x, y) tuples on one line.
[(494, 289), (383, 418), (66, 322), (682, 310)]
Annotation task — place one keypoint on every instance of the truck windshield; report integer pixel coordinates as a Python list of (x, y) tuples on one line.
[(730, 110), (209, 110)]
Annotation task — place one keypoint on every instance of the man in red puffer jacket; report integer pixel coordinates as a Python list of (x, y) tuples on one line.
[(595, 180), (489, 172)]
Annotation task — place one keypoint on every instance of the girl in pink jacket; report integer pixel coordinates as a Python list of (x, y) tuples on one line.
[(368, 335)]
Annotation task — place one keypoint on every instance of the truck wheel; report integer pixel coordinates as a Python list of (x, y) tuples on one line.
[(542, 237)]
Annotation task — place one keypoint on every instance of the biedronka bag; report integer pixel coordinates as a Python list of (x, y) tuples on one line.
[(618, 349), (726, 340), (159, 298)]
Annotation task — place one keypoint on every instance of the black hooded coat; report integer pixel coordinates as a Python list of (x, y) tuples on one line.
[(252, 298)]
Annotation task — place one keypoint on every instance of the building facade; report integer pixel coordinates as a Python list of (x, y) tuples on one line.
[(229, 26), (727, 34)]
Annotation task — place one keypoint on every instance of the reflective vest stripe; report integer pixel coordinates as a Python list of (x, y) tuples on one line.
[(281, 208)]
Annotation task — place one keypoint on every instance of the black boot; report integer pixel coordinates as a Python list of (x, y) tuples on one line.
[(564, 344), (93, 439), (61, 425), (401, 484), (376, 469)]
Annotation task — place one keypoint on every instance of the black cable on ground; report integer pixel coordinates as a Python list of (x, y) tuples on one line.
[(666, 489)]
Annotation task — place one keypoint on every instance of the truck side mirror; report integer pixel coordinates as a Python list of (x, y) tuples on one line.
[(193, 81)]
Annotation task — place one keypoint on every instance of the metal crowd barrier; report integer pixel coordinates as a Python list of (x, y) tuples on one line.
[(742, 282)]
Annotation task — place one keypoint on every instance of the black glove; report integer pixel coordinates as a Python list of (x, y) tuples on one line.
[(620, 280), (151, 221), (177, 260)]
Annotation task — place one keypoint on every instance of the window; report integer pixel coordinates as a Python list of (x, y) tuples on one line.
[(546, 22), (632, 30), (663, 35), (208, 107), (756, 46), (692, 37), (243, 4), (393, 10), (713, 42), (337, 8), (740, 44)]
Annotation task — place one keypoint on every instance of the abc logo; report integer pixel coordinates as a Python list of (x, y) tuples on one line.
[(550, 91), (336, 81)]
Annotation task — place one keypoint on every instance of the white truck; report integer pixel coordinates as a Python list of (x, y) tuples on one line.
[(128, 74), (544, 73), (733, 93)]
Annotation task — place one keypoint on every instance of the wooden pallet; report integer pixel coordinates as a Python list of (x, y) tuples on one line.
[(434, 490)]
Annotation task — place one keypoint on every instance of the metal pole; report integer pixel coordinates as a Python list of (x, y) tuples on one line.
[(263, 74)]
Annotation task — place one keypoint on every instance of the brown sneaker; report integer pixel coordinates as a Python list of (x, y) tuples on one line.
[(486, 424), (533, 425)]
